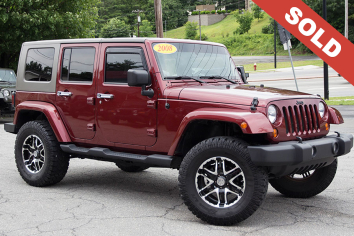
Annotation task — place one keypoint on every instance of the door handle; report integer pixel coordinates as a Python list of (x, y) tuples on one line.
[(105, 96), (64, 94)]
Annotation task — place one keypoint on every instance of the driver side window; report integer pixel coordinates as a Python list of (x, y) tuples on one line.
[(119, 61)]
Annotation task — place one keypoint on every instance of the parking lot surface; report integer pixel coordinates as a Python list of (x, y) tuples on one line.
[(96, 198)]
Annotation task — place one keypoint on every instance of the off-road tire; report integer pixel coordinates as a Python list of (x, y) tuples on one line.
[(131, 167), (307, 187), (56, 161), (256, 181)]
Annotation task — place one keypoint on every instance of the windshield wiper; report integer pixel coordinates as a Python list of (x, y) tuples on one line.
[(218, 77), (184, 77)]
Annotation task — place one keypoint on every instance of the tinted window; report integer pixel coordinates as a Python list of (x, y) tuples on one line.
[(78, 64), (117, 65), (39, 64)]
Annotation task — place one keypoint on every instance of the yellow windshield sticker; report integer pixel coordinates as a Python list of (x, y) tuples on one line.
[(165, 48)]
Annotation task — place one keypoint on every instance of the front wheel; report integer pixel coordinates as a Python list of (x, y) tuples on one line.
[(219, 183), (307, 184)]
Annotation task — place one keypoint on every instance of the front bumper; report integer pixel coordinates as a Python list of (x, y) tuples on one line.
[(294, 157)]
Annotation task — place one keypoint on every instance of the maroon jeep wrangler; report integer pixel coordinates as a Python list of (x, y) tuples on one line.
[(178, 104)]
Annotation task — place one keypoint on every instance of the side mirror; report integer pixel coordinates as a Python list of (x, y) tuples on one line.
[(244, 75), (140, 78)]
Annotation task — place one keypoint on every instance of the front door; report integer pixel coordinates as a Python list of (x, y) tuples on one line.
[(76, 89), (123, 115)]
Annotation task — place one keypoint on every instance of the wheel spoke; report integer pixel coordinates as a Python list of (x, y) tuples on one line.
[(206, 186)]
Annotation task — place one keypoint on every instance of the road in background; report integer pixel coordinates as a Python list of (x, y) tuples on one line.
[(96, 198), (243, 60), (309, 79)]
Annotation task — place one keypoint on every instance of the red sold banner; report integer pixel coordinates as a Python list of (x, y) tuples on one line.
[(313, 31)]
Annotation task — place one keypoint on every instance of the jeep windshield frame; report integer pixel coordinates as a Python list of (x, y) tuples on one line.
[(196, 61), (7, 76)]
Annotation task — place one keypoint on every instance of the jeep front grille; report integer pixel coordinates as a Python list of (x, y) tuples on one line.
[(301, 119)]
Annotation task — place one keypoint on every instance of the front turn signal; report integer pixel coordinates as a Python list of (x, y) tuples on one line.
[(275, 133), (327, 126), (244, 125)]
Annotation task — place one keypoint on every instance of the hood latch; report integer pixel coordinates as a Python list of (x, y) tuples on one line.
[(254, 104)]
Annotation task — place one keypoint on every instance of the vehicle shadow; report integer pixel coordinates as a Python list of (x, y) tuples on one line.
[(161, 185)]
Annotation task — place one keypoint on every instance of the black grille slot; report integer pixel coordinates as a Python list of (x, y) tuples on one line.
[(286, 117), (292, 122)]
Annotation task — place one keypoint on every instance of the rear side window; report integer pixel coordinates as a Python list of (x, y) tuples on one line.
[(39, 64), (78, 64), (120, 60)]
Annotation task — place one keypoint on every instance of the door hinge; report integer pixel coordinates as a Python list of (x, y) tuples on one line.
[(91, 127), (152, 104), (152, 132)]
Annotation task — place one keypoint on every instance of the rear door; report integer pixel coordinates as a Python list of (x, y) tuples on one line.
[(123, 114), (76, 88)]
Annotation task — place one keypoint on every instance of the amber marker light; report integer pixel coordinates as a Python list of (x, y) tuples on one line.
[(326, 126), (244, 125), (275, 133)]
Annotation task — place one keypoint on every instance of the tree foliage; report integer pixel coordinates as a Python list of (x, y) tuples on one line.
[(245, 20), (146, 29), (115, 28), (29, 20), (191, 30), (257, 11)]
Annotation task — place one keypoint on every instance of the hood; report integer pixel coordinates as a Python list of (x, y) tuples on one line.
[(239, 94)]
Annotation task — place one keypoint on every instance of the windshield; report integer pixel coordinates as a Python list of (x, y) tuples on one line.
[(7, 76), (194, 60)]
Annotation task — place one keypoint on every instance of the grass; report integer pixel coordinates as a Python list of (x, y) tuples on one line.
[(341, 101), (252, 43), (269, 66)]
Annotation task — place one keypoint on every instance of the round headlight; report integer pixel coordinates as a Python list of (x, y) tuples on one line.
[(6, 93), (272, 113), (321, 109)]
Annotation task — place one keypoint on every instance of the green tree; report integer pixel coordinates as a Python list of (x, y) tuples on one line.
[(257, 11), (146, 29), (28, 20), (191, 30), (115, 28), (245, 21)]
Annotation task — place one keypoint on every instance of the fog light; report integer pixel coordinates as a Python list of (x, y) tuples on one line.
[(244, 125), (275, 133)]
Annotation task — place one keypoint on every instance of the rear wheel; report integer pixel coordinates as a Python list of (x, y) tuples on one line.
[(307, 184), (39, 159), (219, 183)]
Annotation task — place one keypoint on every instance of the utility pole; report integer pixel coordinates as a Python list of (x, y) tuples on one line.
[(346, 19), (325, 65), (139, 20), (200, 28), (275, 44), (158, 18)]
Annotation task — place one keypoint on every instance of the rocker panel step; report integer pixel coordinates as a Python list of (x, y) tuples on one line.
[(108, 155)]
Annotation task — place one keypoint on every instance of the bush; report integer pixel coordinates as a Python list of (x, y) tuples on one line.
[(257, 12), (219, 12), (115, 28), (268, 29), (191, 29), (145, 29), (245, 21), (202, 12), (207, 12), (213, 12), (204, 37), (228, 11), (223, 11), (195, 13)]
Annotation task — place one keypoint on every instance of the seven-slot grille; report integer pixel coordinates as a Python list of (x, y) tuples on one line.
[(301, 119)]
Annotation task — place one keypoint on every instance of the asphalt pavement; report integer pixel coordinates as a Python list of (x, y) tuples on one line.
[(96, 198), (243, 60)]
